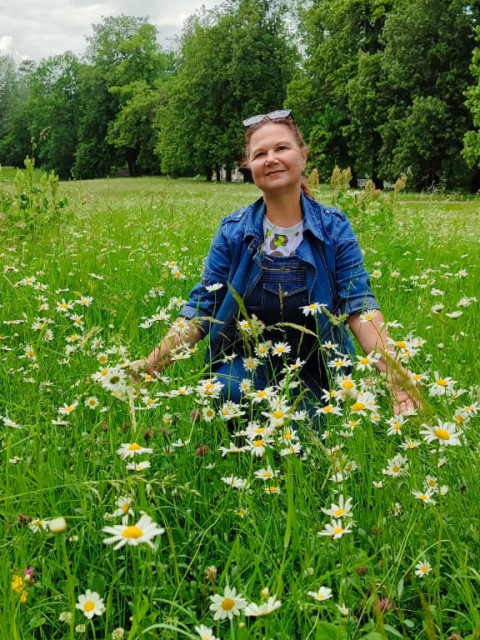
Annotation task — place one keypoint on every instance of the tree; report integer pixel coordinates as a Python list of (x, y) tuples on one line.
[(471, 149), (124, 65), (338, 80), (53, 104), (234, 61), (428, 47)]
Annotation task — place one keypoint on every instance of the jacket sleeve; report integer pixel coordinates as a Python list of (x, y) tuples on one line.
[(352, 280), (204, 303)]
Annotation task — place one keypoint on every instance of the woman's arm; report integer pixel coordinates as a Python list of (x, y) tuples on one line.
[(373, 336), (160, 357)]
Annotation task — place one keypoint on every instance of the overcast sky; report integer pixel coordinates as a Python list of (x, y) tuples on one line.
[(38, 29)]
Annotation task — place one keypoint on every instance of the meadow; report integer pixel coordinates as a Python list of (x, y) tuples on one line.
[(122, 517)]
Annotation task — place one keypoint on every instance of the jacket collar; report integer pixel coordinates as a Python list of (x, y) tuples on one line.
[(311, 217)]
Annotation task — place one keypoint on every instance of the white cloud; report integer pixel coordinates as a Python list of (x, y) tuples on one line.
[(41, 28)]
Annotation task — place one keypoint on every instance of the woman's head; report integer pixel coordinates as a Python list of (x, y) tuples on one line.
[(276, 153)]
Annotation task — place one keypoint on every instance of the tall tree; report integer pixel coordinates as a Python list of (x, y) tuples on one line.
[(471, 150), (428, 48), (233, 62), (53, 103), (123, 59), (342, 41)]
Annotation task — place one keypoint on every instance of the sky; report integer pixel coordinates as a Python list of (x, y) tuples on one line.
[(36, 29)]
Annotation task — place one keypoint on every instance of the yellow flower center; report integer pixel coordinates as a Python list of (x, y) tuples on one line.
[(339, 512), (267, 474), (442, 434), (258, 443), (89, 605), (441, 382), (348, 384), (134, 447), (364, 360), (338, 530), (395, 469), (278, 414), (228, 604), (358, 406), (401, 344), (424, 569), (132, 532), (328, 408), (125, 507)]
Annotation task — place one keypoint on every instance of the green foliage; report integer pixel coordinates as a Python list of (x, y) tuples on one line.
[(234, 61), (33, 204)]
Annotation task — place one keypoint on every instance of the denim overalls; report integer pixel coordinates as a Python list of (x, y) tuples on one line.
[(278, 297)]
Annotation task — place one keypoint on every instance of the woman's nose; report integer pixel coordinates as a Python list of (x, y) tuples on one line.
[(270, 157)]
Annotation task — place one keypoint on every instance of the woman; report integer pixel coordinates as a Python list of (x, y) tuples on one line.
[(292, 263)]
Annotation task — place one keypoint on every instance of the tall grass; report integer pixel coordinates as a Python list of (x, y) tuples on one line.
[(134, 247)]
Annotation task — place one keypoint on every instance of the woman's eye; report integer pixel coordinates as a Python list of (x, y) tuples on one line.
[(259, 154)]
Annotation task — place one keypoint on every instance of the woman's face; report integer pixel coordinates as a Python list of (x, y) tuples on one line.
[(275, 158)]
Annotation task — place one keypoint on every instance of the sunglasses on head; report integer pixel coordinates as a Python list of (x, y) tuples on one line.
[(274, 115)]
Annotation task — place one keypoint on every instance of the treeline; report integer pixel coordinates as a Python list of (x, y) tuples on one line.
[(382, 87)]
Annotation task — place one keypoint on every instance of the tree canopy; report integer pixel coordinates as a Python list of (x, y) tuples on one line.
[(383, 87)]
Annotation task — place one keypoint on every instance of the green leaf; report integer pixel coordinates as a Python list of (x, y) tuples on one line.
[(327, 631)]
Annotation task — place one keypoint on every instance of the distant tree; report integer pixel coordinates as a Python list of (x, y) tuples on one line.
[(53, 105), (124, 65), (340, 79), (428, 49), (471, 150), (234, 61), (16, 115)]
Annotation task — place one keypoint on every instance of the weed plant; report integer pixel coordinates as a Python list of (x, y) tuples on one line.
[(365, 528)]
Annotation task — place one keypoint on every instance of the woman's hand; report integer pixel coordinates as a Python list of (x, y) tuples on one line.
[(402, 401)]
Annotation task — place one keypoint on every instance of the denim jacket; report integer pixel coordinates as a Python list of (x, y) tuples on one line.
[(336, 275)]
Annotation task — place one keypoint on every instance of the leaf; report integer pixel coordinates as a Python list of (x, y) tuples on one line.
[(327, 631)]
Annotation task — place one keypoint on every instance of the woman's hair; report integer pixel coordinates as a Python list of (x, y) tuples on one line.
[(290, 124)]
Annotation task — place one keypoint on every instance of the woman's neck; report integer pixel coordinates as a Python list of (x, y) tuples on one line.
[(283, 210)]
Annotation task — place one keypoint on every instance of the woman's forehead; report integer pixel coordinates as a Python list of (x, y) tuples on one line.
[(271, 133)]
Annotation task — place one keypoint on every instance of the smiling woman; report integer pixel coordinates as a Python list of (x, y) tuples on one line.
[(283, 279)]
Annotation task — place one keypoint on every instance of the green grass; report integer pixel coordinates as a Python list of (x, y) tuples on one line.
[(114, 244)]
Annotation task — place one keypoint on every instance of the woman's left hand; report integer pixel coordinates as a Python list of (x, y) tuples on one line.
[(403, 402)]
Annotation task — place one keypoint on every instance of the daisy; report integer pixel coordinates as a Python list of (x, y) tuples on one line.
[(92, 402), (335, 529), (369, 315), (233, 481), (341, 510), (422, 568), (135, 534), (127, 450), (228, 605), (266, 474), (324, 593), (214, 287), (424, 496), (444, 434), (68, 408), (281, 349), (441, 386), (138, 466), (312, 309), (262, 349), (396, 423), (265, 609), (124, 504), (90, 604), (272, 490), (366, 362), (396, 467), (205, 633)]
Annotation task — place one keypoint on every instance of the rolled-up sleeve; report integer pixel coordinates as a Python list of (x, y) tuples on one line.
[(203, 303), (352, 280)]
